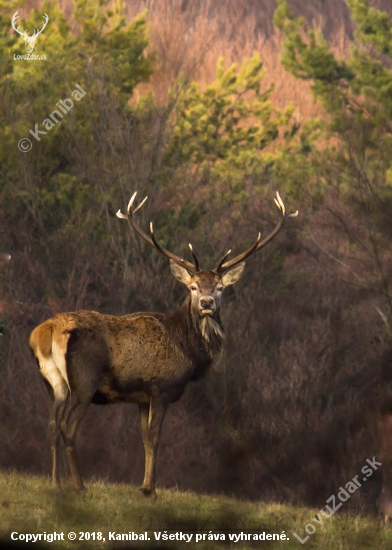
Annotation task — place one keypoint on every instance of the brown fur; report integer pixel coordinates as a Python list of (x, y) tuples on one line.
[(41, 337), (143, 358)]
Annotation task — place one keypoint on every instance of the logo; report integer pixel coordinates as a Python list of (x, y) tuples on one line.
[(29, 40)]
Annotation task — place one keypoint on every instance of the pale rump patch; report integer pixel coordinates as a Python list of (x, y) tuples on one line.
[(53, 375), (59, 350), (49, 343)]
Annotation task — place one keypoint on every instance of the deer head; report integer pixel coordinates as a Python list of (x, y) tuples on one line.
[(205, 287), (29, 40)]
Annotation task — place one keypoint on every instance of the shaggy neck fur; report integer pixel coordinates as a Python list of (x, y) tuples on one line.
[(200, 337), (209, 327)]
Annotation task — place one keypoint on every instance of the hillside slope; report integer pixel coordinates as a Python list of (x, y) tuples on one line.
[(29, 505)]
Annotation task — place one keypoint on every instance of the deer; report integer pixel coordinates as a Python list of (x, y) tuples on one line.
[(29, 40), (143, 358)]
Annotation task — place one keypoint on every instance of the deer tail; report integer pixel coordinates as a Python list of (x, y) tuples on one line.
[(49, 342)]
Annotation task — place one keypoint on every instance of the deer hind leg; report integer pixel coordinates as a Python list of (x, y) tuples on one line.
[(54, 426), (60, 393), (50, 354), (144, 409), (74, 412), (151, 418)]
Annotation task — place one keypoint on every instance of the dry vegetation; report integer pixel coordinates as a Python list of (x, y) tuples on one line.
[(291, 413)]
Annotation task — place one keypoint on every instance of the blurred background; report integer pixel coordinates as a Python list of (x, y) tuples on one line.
[(208, 108)]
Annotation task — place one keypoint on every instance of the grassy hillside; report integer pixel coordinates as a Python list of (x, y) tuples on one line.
[(307, 365), (30, 505)]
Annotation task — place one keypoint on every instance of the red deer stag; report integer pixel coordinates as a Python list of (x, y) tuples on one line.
[(145, 358)]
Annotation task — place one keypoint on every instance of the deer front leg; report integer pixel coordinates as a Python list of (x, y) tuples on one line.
[(151, 418)]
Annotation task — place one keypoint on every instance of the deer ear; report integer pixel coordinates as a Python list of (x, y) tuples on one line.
[(233, 275), (180, 273)]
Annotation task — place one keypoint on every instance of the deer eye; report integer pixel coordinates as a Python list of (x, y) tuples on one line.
[(193, 287), (219, 288)]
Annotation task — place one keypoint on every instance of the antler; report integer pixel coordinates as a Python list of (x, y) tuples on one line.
[(222, 266), (46, 19), (192, 268), (24, 33), (29, 40), (13, 23)]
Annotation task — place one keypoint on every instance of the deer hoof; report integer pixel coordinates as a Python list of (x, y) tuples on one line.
[(148, 492)]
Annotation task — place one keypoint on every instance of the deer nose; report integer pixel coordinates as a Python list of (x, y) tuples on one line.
[(206, 303)]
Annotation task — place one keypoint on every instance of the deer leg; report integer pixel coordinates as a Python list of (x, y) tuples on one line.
[(143, 413), (151, 417), (54, 426), (144, 410), (72, 417)]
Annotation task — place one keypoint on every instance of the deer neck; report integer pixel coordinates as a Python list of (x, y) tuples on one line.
[(209, 328), (200, 337)]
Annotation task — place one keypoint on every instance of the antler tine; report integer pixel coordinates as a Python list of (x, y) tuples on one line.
[(238, 259), (46, 19), (140, 205), (13, 23), (222, 267), (282, 208), (195, 258), (184, 263), (38, 31), (132, 222), (221, 261), (151, 240)]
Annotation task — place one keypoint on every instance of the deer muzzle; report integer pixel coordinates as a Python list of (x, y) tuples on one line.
[(207, 305)]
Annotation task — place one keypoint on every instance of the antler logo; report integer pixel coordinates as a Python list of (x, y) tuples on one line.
[(29, 40)]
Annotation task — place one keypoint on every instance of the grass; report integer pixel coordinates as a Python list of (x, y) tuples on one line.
[(29, 504)]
